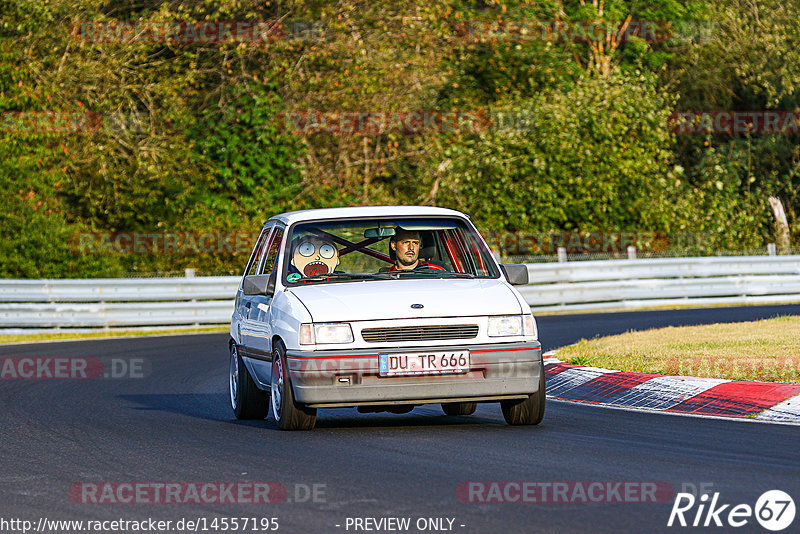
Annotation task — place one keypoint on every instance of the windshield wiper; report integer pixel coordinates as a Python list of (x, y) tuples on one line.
[(390, 275), (352, 276), (433, 273)]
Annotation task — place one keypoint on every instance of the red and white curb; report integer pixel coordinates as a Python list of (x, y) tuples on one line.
[(764, 401)]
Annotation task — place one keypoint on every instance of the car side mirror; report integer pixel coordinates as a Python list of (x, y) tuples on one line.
[(515, 273), (259, 284)]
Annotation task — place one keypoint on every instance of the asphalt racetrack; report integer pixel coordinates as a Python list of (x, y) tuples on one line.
[(60, 440)]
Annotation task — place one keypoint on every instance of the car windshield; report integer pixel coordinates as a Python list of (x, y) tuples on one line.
[(385, 249)]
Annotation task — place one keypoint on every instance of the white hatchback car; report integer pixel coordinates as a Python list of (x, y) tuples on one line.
[(383, 308)]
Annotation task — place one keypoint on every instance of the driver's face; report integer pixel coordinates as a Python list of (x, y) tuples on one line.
[(406, 248)]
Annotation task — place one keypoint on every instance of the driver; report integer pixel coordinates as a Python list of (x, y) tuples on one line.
[(406, 245), (313, 255)]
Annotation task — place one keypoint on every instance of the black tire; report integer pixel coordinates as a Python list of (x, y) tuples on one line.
[(289, 415), (528, 411), (459, 408), (247, 401)]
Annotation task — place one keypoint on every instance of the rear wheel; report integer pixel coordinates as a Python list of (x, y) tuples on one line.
[(247, 401), (459, 408), (529, 411), (289, 415)]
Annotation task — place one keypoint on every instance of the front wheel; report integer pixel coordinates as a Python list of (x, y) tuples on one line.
[(247, 401), (529, 411), (289, 415)]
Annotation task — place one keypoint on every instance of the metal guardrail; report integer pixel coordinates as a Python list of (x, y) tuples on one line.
[(587, 285), (119, 289), (116, 302), (581, 285)]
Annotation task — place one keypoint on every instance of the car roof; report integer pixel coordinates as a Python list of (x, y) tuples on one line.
[(292, 217)]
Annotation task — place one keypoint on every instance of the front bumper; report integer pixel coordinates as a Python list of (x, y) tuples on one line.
[(348, 378)]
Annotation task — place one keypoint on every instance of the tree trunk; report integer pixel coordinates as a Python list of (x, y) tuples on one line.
[(781, 225)]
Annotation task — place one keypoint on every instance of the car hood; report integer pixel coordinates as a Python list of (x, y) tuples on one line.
[(392, 299)]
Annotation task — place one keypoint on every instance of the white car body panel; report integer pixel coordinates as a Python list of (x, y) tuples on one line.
[(392, 299)]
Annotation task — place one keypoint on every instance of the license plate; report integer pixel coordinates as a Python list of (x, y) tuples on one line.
[(424, 363)]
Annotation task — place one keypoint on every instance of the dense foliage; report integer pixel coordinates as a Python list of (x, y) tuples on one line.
[(539, 123)]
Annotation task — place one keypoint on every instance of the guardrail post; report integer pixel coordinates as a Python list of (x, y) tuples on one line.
[(631, 252), (562, 255), (190, 274), (771, 249)]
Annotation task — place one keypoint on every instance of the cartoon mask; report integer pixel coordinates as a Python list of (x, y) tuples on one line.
[(314, 255)]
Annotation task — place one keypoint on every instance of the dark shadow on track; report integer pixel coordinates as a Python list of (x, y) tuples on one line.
[(209, 406), (214, 407), (351, 419)]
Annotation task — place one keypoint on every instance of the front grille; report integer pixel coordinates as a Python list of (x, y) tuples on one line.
[(419, 333)]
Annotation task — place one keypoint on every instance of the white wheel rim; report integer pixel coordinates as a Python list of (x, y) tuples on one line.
[(234, 377), (276, 387)]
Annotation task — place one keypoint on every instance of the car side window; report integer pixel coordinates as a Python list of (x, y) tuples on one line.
[(252, 264), (271, 250)]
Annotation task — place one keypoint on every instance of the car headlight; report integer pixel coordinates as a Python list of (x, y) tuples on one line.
[(512, 325), (323, 333), (505, 325)]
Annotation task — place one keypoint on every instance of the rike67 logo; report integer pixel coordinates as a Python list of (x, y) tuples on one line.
[(774, 510)]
